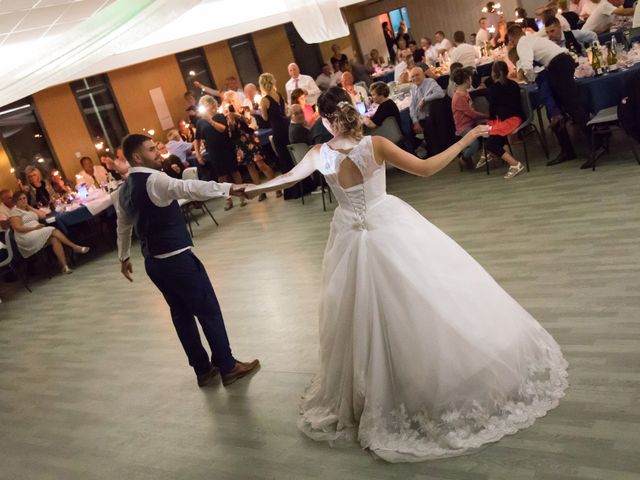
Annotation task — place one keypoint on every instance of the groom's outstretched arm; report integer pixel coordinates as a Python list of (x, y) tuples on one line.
[(163, 189)]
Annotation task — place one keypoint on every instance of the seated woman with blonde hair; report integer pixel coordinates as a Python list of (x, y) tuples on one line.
[(32, 236)]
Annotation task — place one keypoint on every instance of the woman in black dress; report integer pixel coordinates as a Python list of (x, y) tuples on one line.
[(212, 128), (274, 111)]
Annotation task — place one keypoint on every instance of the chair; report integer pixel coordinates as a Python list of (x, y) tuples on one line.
[(298, 151), (527, 127), (389, 129), (8, 264), (188, 206), (602, 124)]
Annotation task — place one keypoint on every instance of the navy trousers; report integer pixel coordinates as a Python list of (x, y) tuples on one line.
[(186, 287)]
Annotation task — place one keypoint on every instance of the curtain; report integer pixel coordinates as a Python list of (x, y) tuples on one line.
[(317, 20)]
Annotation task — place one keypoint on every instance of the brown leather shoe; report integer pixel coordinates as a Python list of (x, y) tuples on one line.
[(208, 378), (242, 369)]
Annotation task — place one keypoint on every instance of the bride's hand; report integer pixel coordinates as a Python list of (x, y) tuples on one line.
[(472, 135)]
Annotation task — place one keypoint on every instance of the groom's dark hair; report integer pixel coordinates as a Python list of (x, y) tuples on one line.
[(131, 143)]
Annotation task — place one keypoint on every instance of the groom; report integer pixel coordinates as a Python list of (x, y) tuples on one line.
[(148, 202)]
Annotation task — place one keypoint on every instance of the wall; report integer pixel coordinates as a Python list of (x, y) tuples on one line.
[(220, 62), (7, 180), (68, 134), (347, 44), (428, 16), (131, 87), (274, 52)]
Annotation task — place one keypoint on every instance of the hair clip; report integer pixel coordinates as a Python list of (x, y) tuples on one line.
[(343, 104)]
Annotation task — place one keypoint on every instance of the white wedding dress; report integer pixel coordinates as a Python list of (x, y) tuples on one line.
[(422, 354)]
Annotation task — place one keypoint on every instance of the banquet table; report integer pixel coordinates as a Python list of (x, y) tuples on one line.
[(385, 76), (605, 38), (604, 91), (81, 213)]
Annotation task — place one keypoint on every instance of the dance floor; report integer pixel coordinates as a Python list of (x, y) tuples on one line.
[(94, 384)]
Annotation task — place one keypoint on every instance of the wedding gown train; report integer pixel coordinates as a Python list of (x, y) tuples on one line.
[(422, 354)]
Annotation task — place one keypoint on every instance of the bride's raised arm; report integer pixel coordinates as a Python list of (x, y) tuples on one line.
[(298, 173), (397, 157)]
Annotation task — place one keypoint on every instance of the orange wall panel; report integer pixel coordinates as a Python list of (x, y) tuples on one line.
[(220, 62), (63, 122), (274, 51), (7, 180), (131, 87)]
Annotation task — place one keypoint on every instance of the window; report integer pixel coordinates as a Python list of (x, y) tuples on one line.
[(100, 111), (246, 59), (194, 67), (23, 138)]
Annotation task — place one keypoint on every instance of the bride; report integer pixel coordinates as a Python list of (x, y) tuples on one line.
[(422, 354)]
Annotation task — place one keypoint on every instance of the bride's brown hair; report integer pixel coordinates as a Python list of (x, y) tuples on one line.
[(335, 105)]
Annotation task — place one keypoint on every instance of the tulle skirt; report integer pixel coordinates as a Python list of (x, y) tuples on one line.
[(423, 355)]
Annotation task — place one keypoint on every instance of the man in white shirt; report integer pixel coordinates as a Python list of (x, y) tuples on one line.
[(575, 6), (482, 36), (94, 176), (147, 201), (463, 53), (600, 20), (327, 78), (571, 40), (304, 82), (429, 52), (442, 45), (561, 69)]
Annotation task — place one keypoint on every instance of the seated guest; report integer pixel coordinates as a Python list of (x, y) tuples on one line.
[(6, 204), (464, 116), (58, 183), (505, 116), (32, 236), (427, 52), (442, 45), (94, 176), (337, 55), (173, 166), (40, 191), (423, 91), (472, 38), (482, 36), (319, 134), (298, 96), (522, 19), (375, 61), (500, 38), (571, 39), (298, 131), (386, 107), (326, 78), (305, 82), (178, 147), (361, 73), (402, 47), (601, 18), (356, 92), (451, 87), (401, 71), (464, 53)]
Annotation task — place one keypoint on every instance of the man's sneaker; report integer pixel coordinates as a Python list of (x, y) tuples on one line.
[(515, 170), (482, 162), (208, 378)]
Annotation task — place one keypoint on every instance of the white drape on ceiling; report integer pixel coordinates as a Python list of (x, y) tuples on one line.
[(317, 20), (50, 61)]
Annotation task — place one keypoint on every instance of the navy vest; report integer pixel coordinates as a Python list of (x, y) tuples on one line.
[(160, 229)]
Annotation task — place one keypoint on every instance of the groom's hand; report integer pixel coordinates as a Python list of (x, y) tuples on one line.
[(237, 190), (126, 269)]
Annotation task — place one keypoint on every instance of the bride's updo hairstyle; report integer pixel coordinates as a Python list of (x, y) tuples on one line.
[(335, 105)]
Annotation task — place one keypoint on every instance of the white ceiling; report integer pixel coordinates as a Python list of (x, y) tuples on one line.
[(27, 20)]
